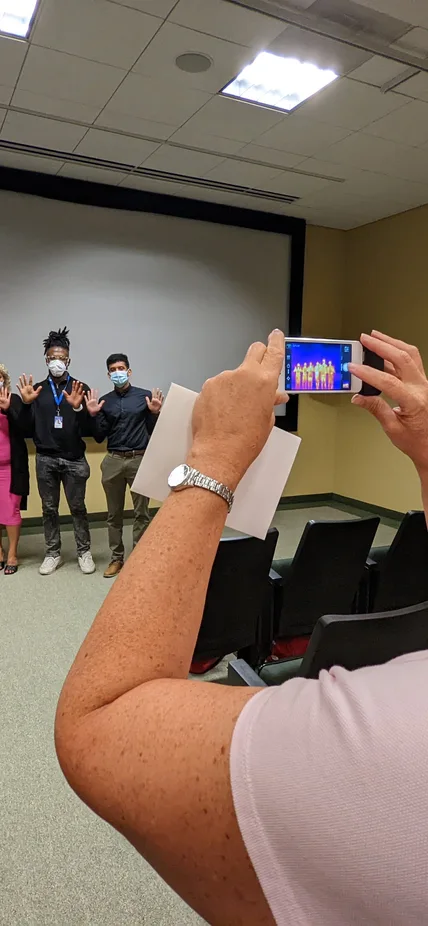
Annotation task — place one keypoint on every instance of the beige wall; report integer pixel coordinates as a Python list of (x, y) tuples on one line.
[(386, 288)]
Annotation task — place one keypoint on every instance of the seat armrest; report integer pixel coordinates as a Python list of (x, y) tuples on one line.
[(275, 577), (240, 673)]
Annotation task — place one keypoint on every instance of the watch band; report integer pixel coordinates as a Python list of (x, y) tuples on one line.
[(186, 477), (206, 482)]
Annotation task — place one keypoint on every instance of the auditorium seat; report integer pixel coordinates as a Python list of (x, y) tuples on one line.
[(352, 641), (397, 576), (322, 578), (238, 614)]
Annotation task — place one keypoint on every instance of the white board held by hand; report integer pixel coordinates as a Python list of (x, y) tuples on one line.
[(258, 493)]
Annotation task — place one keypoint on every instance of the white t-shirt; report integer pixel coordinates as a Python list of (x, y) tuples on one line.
[(330, 784)]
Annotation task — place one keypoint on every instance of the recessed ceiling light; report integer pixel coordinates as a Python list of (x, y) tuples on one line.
[(282, 83), (16, 16), (193, 63)]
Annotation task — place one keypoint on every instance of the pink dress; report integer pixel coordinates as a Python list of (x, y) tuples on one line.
[(10, 514)]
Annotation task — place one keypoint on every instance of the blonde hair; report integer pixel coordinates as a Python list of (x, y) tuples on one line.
[(4, 375)]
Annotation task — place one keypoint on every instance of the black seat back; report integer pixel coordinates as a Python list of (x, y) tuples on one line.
[(325, 572), (358, 640), (403, 576), (238, 597)]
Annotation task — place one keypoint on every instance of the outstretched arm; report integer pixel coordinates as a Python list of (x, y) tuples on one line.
[(147, 749)]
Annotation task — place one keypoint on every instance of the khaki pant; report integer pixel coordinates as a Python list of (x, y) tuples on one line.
[(117, 473)]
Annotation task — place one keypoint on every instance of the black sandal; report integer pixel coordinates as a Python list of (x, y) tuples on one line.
[(10, 570), (2, 564)]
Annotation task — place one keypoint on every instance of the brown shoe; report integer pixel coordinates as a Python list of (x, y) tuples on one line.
[(113, 569)]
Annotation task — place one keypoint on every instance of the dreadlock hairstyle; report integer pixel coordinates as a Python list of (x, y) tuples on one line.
[(57, 339)]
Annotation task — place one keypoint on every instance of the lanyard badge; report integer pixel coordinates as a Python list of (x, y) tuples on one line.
[(58, 419)]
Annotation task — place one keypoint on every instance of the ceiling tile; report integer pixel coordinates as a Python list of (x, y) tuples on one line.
[(294, 184), (12, 54), (408, 125), (171, 41), (415, 39), (95, 174), (227, 21), (111, 147), (110, 119), (38, 102), (242, 174), (272, 156), (377, 186), (300, 135), (378, 71), (3, 113), (411, 11), (416, 87), (377, 154), (182, 161), (147, 98), (326, 169), (95, 29), (319, 49), (188, 135), (29, 162), (260, 205), (349, 104), (5, 94), (41, 132), (233, 119), (159, 8), (170, 188), (67, 77)]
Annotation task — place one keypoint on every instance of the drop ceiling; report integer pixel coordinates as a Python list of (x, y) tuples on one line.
[(95, 94)]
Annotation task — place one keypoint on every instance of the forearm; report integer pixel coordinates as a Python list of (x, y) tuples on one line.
[(148, 625)]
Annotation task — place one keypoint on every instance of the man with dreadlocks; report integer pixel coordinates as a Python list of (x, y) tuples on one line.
[(58, 421)]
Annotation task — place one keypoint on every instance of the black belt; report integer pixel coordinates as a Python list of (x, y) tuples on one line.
[(127, 453)]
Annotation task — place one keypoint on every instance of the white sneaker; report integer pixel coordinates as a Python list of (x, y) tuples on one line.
[(49, 565), (86, 563)]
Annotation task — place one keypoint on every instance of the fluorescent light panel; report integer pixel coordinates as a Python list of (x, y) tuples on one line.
[(16, 16), (282, 83)]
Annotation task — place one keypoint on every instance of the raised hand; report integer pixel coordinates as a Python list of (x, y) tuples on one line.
[(4, 399), (75, 397), (404, 381), (93, 404), (155, 403), (26, 389), (233, 415)]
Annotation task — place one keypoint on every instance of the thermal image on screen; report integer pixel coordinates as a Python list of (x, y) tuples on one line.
[(317, 367)]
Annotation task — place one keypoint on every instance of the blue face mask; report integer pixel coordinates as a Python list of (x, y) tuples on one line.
[(119, 377)]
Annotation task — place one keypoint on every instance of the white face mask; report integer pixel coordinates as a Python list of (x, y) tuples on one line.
[(57, 367)]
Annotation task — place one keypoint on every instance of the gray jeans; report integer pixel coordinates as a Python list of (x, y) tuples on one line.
[(118, 472), (73, 475)]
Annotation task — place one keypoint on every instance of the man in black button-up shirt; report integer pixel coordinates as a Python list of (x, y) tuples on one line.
[(126, 417)]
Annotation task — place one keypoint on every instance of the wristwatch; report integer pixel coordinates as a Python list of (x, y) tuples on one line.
[(186, 477)]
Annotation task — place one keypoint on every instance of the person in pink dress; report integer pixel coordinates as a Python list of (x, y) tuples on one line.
[(14, 473)]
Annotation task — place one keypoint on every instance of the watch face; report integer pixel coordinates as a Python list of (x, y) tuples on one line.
[(178, 476)]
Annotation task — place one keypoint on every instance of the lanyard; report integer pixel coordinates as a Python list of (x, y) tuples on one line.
[(58, 399)]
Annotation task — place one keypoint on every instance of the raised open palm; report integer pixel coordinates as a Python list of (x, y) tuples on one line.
[(75, 397), (4, 399), (93, 403), (155, 403), (26, 389)]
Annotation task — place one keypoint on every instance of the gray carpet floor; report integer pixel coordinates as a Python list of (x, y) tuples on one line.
[(59, 864)]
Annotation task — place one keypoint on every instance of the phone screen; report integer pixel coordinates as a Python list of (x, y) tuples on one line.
[(317, 367)]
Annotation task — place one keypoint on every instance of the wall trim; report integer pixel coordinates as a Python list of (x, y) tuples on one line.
[(87, 193), (99, 518)]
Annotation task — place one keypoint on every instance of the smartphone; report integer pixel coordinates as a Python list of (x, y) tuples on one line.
[(320, 366)]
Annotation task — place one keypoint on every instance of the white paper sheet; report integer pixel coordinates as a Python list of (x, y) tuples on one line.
[(258, 493)]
